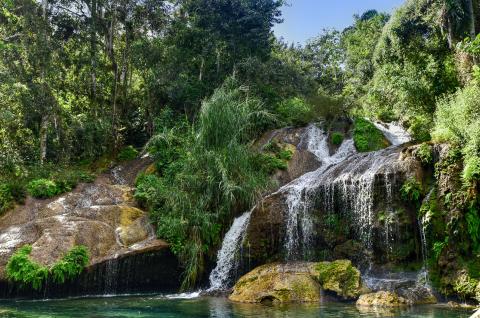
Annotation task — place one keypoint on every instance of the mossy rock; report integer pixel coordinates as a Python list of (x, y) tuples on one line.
[(340, 277), (277, 283), (382, 299), (367, 137)]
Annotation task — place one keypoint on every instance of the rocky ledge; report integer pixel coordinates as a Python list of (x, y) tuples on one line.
[(101, 216)]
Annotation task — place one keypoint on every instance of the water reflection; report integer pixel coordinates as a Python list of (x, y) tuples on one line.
[(159, 307)]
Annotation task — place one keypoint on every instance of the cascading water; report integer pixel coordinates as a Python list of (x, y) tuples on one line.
[(300, 194), (344, 184), (394, 132), (227, 260)]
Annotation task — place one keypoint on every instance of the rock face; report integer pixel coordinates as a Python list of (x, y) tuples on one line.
[(277, 283), (101, 216), (382, 299), (340, 277), (349, 209)]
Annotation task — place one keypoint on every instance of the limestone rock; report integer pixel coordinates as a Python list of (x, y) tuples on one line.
[(382, 299), (277, 283), (339, 276), (100, 215)]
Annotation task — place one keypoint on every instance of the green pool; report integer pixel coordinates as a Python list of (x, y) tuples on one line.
[(160, 307)]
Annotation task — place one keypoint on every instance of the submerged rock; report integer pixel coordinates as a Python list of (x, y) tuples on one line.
[(277, 283), (340, 277), (382, 299)]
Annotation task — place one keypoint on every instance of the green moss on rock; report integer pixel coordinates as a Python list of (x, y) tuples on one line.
[(381, 299), (367, 137), (277, 283), (340, 277)]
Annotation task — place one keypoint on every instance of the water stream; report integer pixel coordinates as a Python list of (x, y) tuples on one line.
[(344, 184)]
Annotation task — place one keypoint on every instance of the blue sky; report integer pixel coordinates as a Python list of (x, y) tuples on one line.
[(304, 19)]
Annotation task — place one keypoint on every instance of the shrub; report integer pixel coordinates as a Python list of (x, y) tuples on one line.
[(127, 153), (367, 137), (438, 248), (272, 163), (210, 172), (457, 121), (425, 154), (6, 199), (419, 128), (42, 188), (337, 138), (71, 265), (295, 111), (21, 269), (411, 190), (471, 171)]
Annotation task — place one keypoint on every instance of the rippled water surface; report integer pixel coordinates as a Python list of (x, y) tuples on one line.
[(160, 307)]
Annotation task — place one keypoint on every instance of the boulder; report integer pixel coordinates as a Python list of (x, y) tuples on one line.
[(277, 283), (340, 277), (382, 299), (101, 216)]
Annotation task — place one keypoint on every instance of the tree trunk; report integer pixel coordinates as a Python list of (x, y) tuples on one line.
[(202, 65), (471, 13), (43, 138), (93, 51)]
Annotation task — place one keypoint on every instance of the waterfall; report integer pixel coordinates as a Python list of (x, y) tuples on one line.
[(394, 132), (343, 184), (227, 262), (300, 194)]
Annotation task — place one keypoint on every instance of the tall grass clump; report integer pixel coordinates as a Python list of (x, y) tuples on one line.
[(206, 172), (457, 121)]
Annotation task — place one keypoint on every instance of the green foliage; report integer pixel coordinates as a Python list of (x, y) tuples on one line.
[(209, 170), (21, 269), (43, 188), (367, 137), (10, 193), (411, 190), (471, 172), (272, 163), (71, 265), (127, 153), (425, 154), (473, 225), (438, 247), (295, 111), (458, 121), (337, 138)]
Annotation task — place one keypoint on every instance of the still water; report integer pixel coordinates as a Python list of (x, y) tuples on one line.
[(162, 307)]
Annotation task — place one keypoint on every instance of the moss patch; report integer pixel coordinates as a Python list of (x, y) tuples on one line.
[(129, 214), (340, 277), (367, 137)]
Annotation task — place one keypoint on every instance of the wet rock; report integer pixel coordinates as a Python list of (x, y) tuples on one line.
[(277, 283), (350, 249), (101, 216), (340, 277), (381, 299)]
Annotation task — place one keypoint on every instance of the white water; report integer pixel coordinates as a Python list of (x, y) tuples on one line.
[(299, 228), (227, 261), (345, 175), (394, 132)]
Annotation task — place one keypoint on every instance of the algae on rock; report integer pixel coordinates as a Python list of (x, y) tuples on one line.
[(277, 283), (382, 299), (340, 277)]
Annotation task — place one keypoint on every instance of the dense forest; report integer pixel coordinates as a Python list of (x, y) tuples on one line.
[(84, 83)]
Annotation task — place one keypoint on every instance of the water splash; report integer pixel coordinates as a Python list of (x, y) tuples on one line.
[(394, 132), (227, 262)]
